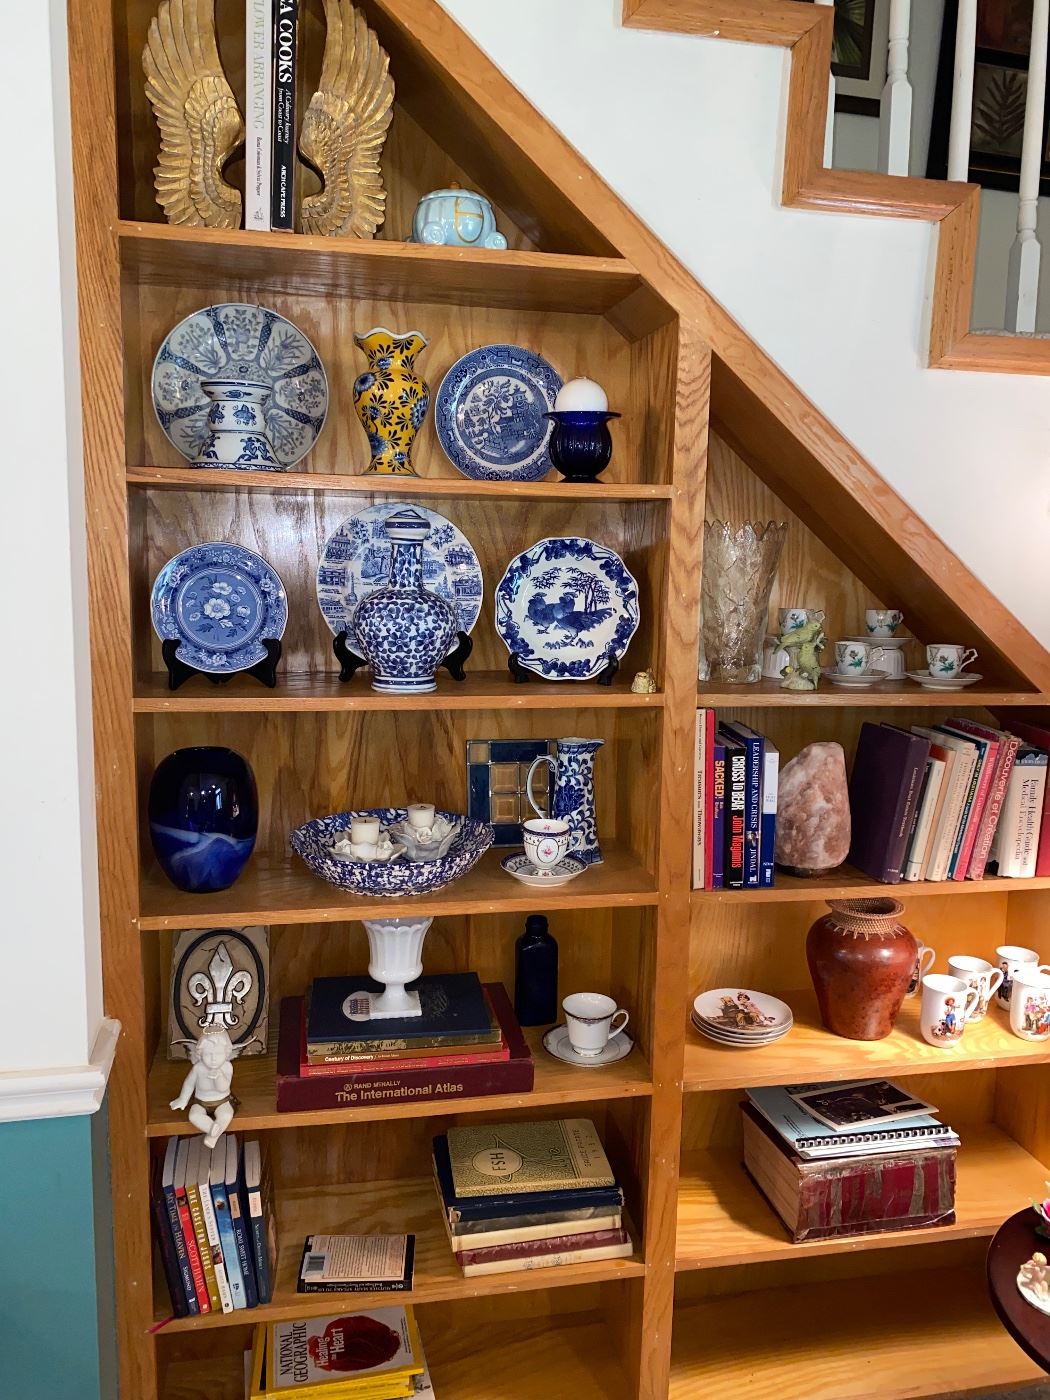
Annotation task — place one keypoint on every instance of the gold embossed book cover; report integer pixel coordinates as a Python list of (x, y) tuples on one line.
[(494, 1159)]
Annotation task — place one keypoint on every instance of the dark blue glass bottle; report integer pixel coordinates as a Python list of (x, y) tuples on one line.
[(203, 817), (536, 974)]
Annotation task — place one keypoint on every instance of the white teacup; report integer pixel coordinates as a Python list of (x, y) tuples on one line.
[(981, 976), (923, 964), (791, 619), (947, 1004), (589, 1018), (546, 840), (1012, 959), (947, 659), (1030, 1004), (854, 658), (882, 622)]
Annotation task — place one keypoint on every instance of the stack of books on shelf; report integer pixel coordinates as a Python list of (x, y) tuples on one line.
[(214, 1223), (951, 801), (849, 1159), (735, 817), (466, 1044), (374, 1354), (520, 1196)]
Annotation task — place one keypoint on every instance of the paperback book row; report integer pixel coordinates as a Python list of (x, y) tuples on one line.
[(214, 1223), (271, 74), (735, 816), (371, 1354), (858, 1158)]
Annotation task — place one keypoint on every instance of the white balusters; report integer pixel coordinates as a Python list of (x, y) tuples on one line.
[(895, 105), (829, 129), (1022, 282), (962, 91)]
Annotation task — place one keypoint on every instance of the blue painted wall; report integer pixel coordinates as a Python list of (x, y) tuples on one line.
[(56, 1286)]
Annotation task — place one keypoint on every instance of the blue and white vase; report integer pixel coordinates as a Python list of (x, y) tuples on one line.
[(203, 817), (404, 629), (236, 435), (573, 800)]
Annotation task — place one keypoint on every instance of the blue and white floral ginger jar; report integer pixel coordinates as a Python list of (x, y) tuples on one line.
[(404, 629)]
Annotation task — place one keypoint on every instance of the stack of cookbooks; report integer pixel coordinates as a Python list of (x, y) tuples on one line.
[(849, 1159), (529, 1196), (466, 1044), (371, 1354)]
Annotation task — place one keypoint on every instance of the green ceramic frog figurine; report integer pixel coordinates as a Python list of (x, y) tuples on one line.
[(803, 646)]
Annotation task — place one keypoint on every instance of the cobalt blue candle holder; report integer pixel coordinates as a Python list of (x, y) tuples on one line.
[(203, 817), (581, 444)]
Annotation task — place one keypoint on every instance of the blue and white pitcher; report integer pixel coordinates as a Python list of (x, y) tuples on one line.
[(573, 769)]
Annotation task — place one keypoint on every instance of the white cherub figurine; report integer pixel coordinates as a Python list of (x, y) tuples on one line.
[(208, 1084), (1033, 1278)]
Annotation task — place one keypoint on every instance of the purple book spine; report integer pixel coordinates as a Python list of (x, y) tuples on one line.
[(718, 829)]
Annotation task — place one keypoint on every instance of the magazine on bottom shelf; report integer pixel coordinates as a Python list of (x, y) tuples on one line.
[(367, 1352), (813, 1140)]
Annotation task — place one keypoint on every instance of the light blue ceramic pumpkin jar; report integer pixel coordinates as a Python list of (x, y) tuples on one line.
[(456, 218), (404, 629)]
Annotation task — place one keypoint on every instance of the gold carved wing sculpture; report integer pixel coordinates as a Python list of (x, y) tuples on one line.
[(345, 126), (200, 122)]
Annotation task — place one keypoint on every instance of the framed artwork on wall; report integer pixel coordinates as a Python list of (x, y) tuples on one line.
[(1000, 90), (858, 55)]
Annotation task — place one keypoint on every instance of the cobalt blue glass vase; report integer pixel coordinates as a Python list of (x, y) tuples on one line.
[(203, 817), (581, 444)]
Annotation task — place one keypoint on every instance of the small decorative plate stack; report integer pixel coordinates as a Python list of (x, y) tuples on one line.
[(741, 1018)]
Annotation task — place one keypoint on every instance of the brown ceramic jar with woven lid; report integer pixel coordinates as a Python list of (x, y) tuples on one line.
[(861, 959)]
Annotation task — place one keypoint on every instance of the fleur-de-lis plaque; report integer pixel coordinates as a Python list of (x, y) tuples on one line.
[(219, 981)]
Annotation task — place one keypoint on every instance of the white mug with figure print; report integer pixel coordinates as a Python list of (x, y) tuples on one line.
[(947, 1004), (1030, 1003), (1011, 960), (981, 976), (923, 964)]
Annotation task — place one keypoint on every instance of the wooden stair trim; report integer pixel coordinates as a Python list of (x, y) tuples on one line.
[(953, 592), (807, 30)]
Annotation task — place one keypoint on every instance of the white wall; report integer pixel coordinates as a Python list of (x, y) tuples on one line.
[(50, 982), (688, 131)]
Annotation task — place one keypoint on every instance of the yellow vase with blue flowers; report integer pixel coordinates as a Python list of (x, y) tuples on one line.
[(391, 398)]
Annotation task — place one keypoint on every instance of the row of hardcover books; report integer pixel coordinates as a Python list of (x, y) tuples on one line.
[(735, 817), (271, 64), (214, 1221)]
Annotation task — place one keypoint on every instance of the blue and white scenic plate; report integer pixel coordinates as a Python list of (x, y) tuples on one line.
[(566, 608), (490, 413), (235, 340), (356, 560), (220, 603)]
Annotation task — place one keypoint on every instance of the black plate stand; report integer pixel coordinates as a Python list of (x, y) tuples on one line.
[(179, 673), (523, 676), (349, 663)]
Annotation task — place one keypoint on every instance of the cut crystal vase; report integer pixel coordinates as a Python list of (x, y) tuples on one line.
[(740, 564)]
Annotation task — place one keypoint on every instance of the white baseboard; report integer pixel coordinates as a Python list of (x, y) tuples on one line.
[(64, 1092)]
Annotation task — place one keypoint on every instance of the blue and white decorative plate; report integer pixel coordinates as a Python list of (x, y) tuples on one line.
[(356, 561), (220, 603), (235, 340), (566, 608), (490, 414)]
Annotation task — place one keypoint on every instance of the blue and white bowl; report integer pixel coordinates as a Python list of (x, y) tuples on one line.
[(313, 842)]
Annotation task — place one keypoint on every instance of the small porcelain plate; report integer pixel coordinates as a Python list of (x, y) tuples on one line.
[(356, 560), (730, 1038), (490, 412), (900, 640), (235, 340), (556, 1042), (566, 608), (738, 1009), (959, 682), (220, 603), (542, 877), (855, 680)]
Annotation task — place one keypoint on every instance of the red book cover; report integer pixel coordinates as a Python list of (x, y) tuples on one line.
[(983, 783), (190, 1238), (297, 1093), (1004, 762), (709, 806), (1040, 738), (536, 1249)]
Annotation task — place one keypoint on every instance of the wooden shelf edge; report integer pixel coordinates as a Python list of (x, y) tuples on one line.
[(767, 694), (849, 884)]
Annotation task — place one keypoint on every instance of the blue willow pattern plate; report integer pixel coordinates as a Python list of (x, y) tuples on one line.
[(220, 603), (235, 340), (490, 414), (566, 608), (356, 561)]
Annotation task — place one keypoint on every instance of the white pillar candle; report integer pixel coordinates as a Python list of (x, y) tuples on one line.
[(364, 831), (581, 396), (421, 814)]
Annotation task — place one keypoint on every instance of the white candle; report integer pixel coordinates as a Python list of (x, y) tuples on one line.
[(581, 396), (364, 831), (421, 814)]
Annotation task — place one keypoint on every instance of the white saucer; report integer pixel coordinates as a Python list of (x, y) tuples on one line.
[(856, 680), (556, 1042), (883, 641), (959, 682), (775, 1014), (542, 877)]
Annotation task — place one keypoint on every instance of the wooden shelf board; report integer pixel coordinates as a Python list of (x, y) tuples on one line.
[(384, 1207), (724, 1219), (847, 883), (320, 691), (555, 1083), (887, 694), (375, 269), (895, 1336), (448, 487), (284, 891), (810, 1053)]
